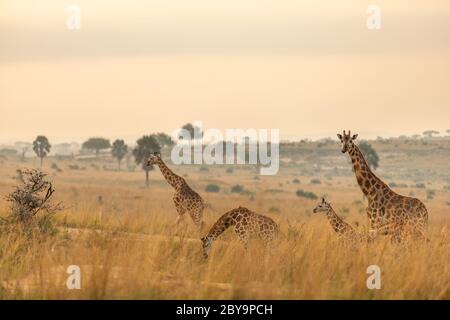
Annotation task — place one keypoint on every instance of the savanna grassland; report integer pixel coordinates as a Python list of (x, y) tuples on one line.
[(123, 237)]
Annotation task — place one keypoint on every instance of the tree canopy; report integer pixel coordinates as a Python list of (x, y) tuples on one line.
[(96, 144), (430, 133), (119, 150), (370, 154), (146, 146), (191, 129), (163, 139), (41, 146)]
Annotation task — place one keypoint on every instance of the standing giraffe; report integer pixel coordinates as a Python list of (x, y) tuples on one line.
[(345, 232), (246, 224), (388, 212), (185, 198)]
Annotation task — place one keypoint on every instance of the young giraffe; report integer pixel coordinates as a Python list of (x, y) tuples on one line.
[(388, 212), (246, 224), (185, 198), (345, 232)]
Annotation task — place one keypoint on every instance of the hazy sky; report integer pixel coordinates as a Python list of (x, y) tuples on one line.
[(308, 68)]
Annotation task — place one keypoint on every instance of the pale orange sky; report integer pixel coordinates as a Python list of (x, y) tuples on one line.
[(308, 68)]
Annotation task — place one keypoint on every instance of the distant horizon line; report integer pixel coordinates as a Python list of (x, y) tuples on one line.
[(132, 138)]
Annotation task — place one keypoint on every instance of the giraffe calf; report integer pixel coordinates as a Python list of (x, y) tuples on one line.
[(345, 232), (246, 224)]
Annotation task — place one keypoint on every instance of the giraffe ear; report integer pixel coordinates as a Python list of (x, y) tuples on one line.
[(355, 136), (339, 136)]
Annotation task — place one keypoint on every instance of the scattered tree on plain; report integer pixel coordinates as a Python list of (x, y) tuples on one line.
[(430, 133), (191, 129), (96, 144), (41, 146), (146, 146), (119, 150), (163, 139)]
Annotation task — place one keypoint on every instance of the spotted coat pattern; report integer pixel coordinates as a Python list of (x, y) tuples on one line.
[(247, 224)]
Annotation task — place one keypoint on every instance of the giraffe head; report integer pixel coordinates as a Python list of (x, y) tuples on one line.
[(323, 206), (155, 158), (206, 246), (346, 140)]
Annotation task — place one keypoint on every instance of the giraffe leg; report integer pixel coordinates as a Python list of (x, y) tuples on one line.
[(180, 209), (243, 235), (398, 234), (196, 214)]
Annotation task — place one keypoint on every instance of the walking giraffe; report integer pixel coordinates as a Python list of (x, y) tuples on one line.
[(246, 224), (184, 198), (388, 212), (345, 232)]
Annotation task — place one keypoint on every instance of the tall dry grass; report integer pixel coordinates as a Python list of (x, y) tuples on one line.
[(128, 247)]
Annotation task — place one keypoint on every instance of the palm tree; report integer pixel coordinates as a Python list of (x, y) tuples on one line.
[(119, 150), (41, 146), (146, 146)]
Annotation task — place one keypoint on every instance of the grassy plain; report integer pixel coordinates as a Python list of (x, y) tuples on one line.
[(128, 247)]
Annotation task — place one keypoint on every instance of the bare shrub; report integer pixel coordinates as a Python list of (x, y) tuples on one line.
[(31, 202)]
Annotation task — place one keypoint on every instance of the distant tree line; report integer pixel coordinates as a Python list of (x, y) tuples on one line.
[(148, 144)]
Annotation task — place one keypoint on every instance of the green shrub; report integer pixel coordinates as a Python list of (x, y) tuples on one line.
[(237, 188), (212, 188), (315, 181), (306, 194), (295, 180), (397, 185)]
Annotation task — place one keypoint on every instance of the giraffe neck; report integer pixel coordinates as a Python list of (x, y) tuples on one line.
[(367, 180), (224, 222), (336, 222), (174, 180)]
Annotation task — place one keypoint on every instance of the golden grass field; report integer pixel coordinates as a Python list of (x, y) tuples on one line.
[(128, 247)]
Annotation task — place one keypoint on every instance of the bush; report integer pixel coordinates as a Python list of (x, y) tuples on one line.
[(212, 188), (54, 166), (31, 203), (430, 194), (397, 185), (420, 185), (204, 169), (237, 188), (229, 170), (306, 194), (74, 167), (295, 180), (315, 181)]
